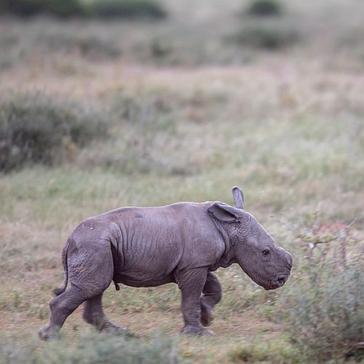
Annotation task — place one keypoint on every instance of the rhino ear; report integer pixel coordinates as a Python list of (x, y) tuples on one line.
[(224, 212), (238, 197)]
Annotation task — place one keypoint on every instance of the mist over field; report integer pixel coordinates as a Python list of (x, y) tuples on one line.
[(146, 103)]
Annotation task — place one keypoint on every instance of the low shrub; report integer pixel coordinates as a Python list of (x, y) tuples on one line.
[(264, 8), (324, 306), (126, 9), (35, 128), (269, 35), (326, 319), (24, 8), (93, 349)]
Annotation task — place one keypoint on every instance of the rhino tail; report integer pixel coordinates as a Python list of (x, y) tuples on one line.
[(60, 290)]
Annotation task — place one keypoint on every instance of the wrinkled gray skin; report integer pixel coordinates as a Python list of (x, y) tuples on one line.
[(145, 247)]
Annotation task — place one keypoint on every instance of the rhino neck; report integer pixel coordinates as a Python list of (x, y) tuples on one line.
[(228, 256)]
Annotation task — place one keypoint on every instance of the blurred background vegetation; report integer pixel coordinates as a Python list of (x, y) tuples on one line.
[(144, 102), (86, 8)]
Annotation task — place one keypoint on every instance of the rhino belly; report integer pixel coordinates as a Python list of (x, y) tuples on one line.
[(135, 280)]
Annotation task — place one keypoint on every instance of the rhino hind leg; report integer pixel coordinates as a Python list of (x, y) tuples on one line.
[(212, 294), (93, 314), (61, 307), (90, 272)]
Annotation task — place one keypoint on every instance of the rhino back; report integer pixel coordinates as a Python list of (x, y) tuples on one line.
[(158, 240)]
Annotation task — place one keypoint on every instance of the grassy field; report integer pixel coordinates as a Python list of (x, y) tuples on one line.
[(189, 110)]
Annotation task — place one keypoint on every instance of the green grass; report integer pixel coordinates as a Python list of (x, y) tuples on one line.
[(297, 153), (276, 351)]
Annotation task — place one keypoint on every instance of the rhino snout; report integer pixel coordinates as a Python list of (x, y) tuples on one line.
[(281, 278)]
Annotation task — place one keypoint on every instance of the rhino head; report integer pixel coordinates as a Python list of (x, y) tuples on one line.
[(251, 246)]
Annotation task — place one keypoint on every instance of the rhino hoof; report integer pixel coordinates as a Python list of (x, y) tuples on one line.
[(48, 333), (196, 331), (112, 329)]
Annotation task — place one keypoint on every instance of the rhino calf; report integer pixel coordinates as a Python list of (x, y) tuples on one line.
[(145, 247)]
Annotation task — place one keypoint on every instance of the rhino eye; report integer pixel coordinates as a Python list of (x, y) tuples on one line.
[(266, 252)]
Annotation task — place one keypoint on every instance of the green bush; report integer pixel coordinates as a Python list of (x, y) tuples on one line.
[(269, 35), (61, 8), (37, 129), (264, 8), (126, 9), (324, 311), (92, 349)]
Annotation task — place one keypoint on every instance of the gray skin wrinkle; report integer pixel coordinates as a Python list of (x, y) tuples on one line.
[(180, 243)]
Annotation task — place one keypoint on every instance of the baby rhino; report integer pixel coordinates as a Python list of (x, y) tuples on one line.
[(150, 246)]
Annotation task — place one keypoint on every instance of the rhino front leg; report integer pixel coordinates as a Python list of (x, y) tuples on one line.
[(93, 314), (212, 294), (191, 283)]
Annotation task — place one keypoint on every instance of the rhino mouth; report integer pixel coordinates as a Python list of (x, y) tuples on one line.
[(277, 282)]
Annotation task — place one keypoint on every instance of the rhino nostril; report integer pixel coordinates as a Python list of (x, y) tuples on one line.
[(281, 280)]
